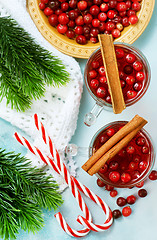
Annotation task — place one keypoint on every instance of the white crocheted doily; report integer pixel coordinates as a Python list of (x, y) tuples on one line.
[(59, 108)]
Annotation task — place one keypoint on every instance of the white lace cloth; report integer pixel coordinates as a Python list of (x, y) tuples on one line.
[(59, 108)]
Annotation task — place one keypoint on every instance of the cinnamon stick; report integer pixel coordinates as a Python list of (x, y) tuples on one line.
[(114, 150), (129, 127), (112, 73)]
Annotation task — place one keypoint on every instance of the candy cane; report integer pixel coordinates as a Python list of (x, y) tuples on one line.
[(81, 187), (70, 182)]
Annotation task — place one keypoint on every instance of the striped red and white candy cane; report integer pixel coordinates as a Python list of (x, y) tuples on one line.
[(81, 187), (69, 180)]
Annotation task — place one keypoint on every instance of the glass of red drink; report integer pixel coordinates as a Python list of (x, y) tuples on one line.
[(134, 73), (132, 164)]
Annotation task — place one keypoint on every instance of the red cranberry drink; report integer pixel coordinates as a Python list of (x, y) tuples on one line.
[(132, 164), (134, 73)]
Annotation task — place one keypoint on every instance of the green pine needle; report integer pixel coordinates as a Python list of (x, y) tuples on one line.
[(23, 192), (29, 66)]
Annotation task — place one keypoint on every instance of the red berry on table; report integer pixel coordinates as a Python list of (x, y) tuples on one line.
[(153, 175), (94, 83), (125, 177), (142, 193), (110, 132), (139, 185), (143, 165), (116, 214), (103, 169), (114, 176), (100, 183), (113, 193), (101, 92), (133, 19), (82, 5), (145, 149), (137, 86), (137, 65), (131, 199), (140, 76), (126, 211), (130, 80), (131, 94), (121, 201), (140, 141), (93, 74), (130, 58)]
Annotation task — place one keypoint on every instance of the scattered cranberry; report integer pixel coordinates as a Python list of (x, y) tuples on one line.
[(121, 201), (142, 193), (126, 211), (153, 175), (100, 183), (140, 184), (116, 214), (113, 193), (114, 176), (131, 199), (109, 187)]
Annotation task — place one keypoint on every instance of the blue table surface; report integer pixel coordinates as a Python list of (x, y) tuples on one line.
[(142, 223)]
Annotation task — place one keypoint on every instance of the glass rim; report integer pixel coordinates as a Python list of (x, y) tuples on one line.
[(153, 156), (144, 59)]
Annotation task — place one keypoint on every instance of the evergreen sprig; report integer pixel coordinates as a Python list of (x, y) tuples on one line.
[(23, 192), (29, 66)]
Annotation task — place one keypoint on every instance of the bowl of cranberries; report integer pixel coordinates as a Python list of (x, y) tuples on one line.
[(132, 164), (134, 73), (73, 26)]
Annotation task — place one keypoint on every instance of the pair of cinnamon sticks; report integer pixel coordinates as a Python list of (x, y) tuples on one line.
[(113, 145)]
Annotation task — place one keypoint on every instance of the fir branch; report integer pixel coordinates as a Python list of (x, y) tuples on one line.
[(30, 65), (23, 191)]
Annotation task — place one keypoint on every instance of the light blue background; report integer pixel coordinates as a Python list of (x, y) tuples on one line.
[(142, 224)]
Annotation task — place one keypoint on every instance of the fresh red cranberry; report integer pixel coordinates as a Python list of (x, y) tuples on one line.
[(79, 31), (104, 7), (58, 12), (73, 14), (122, 14), (136, 6), (119, 26), (79, 21), (97, 2), (113, 165), (128, 4), (93, 74), (145, 149), (114, 176), (103, 169), (81, 39), (117, 20), (128, 69), (121, 201), (140, 141), (102, 27), (131, 12), (153, 175), (116, 213), (130, 58), (94, 32), (100, 183), (96, 23), (110, 132), (101, 71), (112, 3), (87, 18), (101, 92), (130, 80), (71, 24), (93, 39), (126, 211), (110, 26), (108, 187), (143, 165), (116, 33), (70, 34), (137, 86), (64, 6), (140, 76), (62, 28), (131, 199), (82, 5), (113, 193), (137, 65), (42, 6), (102, 17), (44, 1), (94, 10), (125, 21), (133, 19), (48, 11), (54, 5), (125, 177), (121, 6), (63, 18), (53, 20), (111, 14), (73, 3), (131, 94), (142, 193)]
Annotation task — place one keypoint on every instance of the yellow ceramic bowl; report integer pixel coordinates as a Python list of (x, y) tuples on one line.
[(70, 47)]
